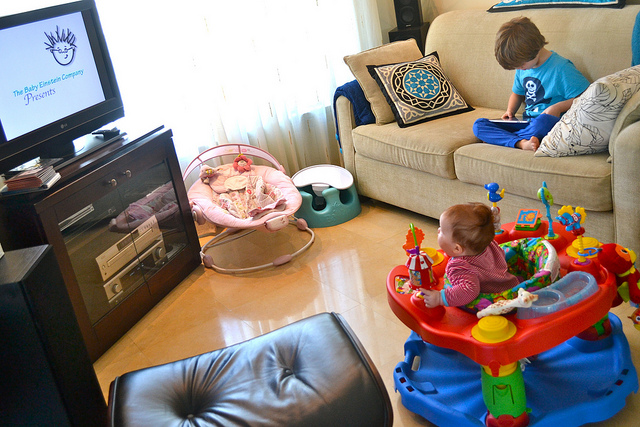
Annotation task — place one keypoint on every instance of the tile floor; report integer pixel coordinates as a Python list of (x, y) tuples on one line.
[(344, 271)]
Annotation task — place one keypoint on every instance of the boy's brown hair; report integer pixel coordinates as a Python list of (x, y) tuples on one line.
[(518, 41), (471, 225)]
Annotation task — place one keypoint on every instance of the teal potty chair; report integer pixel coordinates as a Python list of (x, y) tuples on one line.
[(329, 196)]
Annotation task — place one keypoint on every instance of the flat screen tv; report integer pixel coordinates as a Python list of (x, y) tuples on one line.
[(56, 82)]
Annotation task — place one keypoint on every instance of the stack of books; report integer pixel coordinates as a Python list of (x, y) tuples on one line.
[(40, 176)]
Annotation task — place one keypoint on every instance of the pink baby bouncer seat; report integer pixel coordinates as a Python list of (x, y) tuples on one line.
[(240, 198)]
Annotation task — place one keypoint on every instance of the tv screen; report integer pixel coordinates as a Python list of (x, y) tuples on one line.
[(57, 82)]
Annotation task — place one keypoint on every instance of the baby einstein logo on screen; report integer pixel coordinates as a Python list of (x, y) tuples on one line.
[(62, 46)]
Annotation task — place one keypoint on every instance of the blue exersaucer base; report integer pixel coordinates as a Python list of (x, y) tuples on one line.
[(575, 383)]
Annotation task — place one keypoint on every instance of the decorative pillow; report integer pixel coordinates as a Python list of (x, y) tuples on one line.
[(400, 51), (418, 91), (508, 5), (586, 127)]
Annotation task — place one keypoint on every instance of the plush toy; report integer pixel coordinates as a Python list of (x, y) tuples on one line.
[(242, 163), (207, 172), (524, 299), (621, 262), (223, 178)]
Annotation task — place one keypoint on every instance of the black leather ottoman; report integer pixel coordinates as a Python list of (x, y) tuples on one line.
[(313, 372)]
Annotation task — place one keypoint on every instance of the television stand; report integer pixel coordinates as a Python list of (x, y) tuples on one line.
[(91, 143), (121, 228)]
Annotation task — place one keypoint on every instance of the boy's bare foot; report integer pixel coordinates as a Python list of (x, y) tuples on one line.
[(529, 144)]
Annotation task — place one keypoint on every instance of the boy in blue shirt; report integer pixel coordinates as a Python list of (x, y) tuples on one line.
[(546, 82)]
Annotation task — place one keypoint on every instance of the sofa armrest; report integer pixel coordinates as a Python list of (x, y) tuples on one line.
[(629, 114), (346, 123), (625, 178)]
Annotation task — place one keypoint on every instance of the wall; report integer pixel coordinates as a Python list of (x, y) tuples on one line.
[(447, 5), (431, 9)]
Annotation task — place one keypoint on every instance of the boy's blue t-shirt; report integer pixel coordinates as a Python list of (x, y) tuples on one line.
[(556, 80)]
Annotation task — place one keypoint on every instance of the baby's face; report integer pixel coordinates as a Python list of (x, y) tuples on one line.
[(445, 239)]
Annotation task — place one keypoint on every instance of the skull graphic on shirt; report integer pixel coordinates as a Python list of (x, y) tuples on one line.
[(534, 92)]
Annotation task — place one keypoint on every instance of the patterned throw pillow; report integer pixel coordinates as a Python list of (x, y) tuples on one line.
[(398, 51), (586, 127), (508, 5), (418, 91)]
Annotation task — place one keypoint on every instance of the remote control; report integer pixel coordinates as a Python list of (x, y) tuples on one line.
[(107, 133)]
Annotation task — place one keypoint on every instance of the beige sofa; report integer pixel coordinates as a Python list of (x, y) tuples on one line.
[(427, 167)]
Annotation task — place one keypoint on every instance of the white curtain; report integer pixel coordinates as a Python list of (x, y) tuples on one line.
[(258, 72)]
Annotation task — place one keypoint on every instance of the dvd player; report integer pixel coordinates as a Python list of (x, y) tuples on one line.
[(126, 249), (133, 274)]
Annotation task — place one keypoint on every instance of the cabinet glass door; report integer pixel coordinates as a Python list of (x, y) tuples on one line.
[(153, 216), (118, 241)]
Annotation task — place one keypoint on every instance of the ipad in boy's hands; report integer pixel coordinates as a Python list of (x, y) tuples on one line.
[(511, 120)]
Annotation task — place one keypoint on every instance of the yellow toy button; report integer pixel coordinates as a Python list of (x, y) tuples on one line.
[(587, 242), (493, 329)]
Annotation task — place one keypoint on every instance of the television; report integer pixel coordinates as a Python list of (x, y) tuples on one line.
[(57, 82)]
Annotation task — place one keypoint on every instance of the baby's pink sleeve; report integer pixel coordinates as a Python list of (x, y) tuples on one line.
[(465, 287)]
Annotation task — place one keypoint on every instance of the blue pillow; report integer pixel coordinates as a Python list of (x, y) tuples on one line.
[(508, 5), (635, 42)]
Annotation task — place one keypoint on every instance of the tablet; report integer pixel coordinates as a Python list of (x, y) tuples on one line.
[(511, 120)]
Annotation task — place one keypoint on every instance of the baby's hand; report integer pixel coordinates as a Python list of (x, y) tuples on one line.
[(507, 115), (432, 298)]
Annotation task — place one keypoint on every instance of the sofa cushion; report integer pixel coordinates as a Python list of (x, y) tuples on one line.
[(586, 127), (526, 4), (585, 183), (418, 91), (426, 147), (391, 53)]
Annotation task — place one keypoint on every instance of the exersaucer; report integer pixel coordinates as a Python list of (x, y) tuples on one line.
[(576, 361)]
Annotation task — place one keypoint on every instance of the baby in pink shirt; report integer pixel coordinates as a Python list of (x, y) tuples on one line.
[(477, 263)]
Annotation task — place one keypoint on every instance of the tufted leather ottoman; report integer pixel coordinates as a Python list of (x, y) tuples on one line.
[(313, 372)]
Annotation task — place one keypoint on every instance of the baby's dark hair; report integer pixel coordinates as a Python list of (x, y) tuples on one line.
[(518, 41), (471, 225)]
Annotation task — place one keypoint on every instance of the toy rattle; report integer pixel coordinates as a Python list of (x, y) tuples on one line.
[(494, 197), (547, 199)]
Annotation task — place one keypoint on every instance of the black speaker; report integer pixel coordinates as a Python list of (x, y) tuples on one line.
[(408, 13), (46, 375), (417, 33)]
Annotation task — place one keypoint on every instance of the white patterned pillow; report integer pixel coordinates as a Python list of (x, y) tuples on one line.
[(586, 127)]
